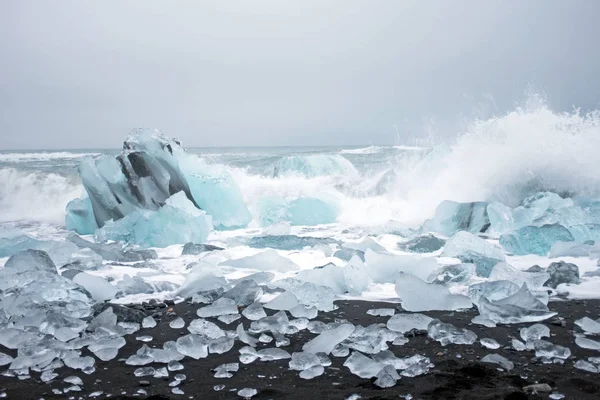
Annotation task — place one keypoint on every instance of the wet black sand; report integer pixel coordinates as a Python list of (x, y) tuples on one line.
[(457, 374)]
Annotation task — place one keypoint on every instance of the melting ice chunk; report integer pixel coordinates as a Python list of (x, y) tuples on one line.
[(448, 333), (534, 332), (418, 295), (326, 341), (362, 365), (489, 343), (588, 325), (534, 280), (312, 372), (98, 287), (535, 239), (285, 301), (499, 360), (549, 350), (406, 322), (221, 306), (586, 343), (304, 360), (193, 346), (268, 260), (451, 217)]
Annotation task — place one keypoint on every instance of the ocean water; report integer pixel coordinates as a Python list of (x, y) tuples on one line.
[(505, 159)]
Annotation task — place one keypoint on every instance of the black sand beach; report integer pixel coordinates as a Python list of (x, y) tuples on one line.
[(458, 373)]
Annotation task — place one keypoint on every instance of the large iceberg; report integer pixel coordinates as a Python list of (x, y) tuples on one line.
[(150, 170), (469, 248), (451, 217)]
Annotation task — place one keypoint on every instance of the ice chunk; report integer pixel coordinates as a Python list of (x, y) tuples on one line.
[(178, 221), (301, 211), (148, 322), (76, 362), (493, 291), (221, 306), (387, 377), (98, 287), (481, 320), (244, 292), (534, 280), (489, 343), (499, 360), (427, 243), (362, 366), (220, 345), (254, 312), (518, 345), (328, 275), (326, 341), (453, 274), (302, 311), (304, 360), (471, 249), (588, 325), (312, 372), (229, 318), (245, 337), (30, 260), (193, 346), (534, 332), (268, 260), (196, 249), (308, 293), (586, 343), (448, 333), (144, 371), (382, 312), (586, 366), (177, 323), (356, 276), (384, 268), (285, 301), (276, 323), (451, 217), (247, 393), (347, 254), (206, 329), (5, 359), (549, 350), (535, 239), (406, 322), (202, 277), (520, 307), (417, 295), (562, 272), (80, 216), (174, 366), (288, 242), (273, 354)]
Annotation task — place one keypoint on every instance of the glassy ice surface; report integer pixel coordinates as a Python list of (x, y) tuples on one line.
[(418, 295), (470, 248)]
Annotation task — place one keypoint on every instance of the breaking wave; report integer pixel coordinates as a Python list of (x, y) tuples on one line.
[(24, 157)]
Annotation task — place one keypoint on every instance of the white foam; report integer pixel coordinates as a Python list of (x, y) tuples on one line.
[(41, 156)]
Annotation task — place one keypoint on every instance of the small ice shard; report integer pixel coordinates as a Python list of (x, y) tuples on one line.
[(272, 354), (144, 338), (148, 322), (534, 332), (221, 306), (96, 394), (106, 354), (499, 360), (549, 350), (451, 217), (340, 351), (362, 366), (562, 272), (246, 291), (265, 338), (448, 333), (180, 377), (73, 380), (220, 345), (76, 362), (248, 355), (285, 301), (98, 287), (312, 372), (406, 322), (205, 329), (469, 248), (317, 327), (326, 341), (48, 376), (276, 323), (586, 343), (177, 323), (505, 272), (489, 343), (587, 324), (586, 366), (176, 390), (174, 366), (268, 260), (161, 373), (382, 312), (247, 393), (387, 377), (254, 312), (245, 337), (144, 371), (418, 295), (218, 388), (225, 370), (193, 346), (518, 345), (481, 320), (427, 243), (229, 318), (302, 311), (303, 360), (535, 239)]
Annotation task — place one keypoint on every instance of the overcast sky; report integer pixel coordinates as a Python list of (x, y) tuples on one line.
[(81, 74)]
